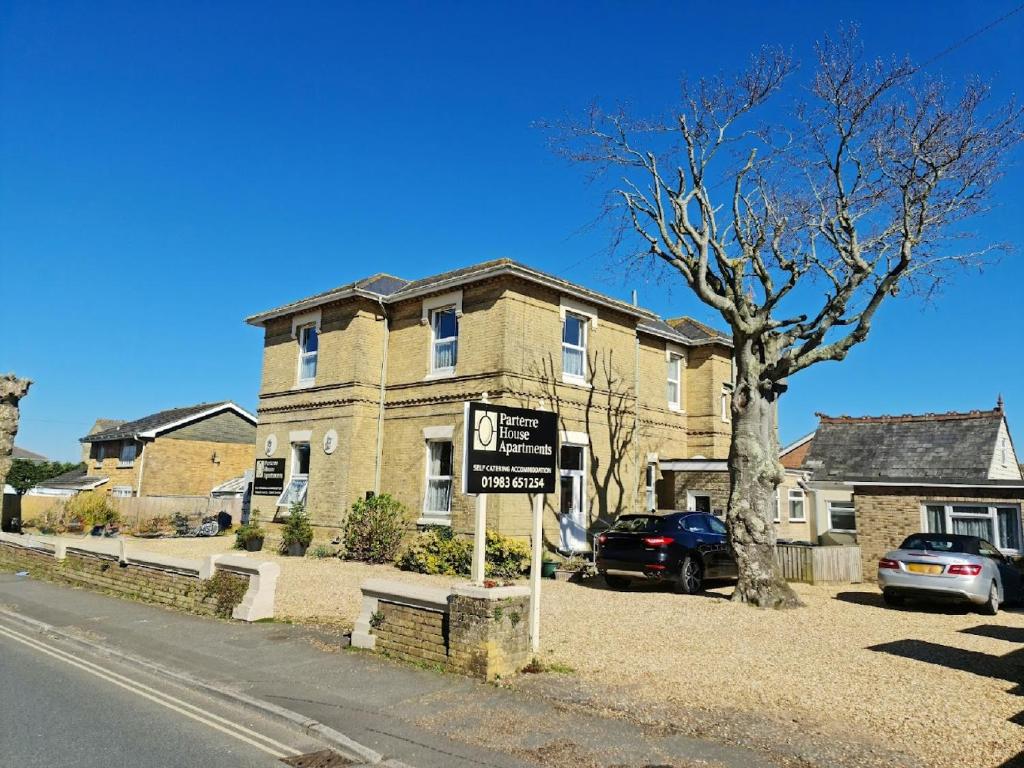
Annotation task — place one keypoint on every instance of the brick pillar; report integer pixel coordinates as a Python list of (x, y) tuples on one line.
[(488, 630)]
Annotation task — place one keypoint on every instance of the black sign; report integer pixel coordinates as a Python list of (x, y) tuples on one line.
[(269, 479), (510, 450)]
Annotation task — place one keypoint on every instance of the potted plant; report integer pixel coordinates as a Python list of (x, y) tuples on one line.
[(297, 533), (250, 536), (547, 568)]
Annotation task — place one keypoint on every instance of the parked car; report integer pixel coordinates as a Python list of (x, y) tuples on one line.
[(685, 548), (949, 566)]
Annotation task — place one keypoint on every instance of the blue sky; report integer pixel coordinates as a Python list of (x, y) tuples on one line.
[(169, 168)]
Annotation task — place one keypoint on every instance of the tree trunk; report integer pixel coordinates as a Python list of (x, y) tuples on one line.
[(754, 475), (12, 389)]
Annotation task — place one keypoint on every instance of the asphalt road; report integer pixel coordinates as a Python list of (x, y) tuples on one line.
[(60, 709)]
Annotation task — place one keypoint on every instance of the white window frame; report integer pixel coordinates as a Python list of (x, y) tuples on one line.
[(802, 498), (427, 308), (438, 516), (677, 356), (650, 486), (435, 341), (726, 415), (987, 511), (303, 356), (828, 506), (129, 462), (298, 479), (572, 378), (122, 492), (778, 506)]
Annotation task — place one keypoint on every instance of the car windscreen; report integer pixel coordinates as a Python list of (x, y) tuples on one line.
[(638, 524), (935, 543)]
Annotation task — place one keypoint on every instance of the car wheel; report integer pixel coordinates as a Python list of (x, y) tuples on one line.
[(991, 607), (616, 582), (690, 576), (891, 598)]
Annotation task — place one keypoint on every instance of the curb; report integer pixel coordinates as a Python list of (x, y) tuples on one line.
[(314, 728)]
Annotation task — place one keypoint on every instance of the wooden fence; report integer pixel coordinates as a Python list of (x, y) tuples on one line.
[(820, 565), (136, 510)]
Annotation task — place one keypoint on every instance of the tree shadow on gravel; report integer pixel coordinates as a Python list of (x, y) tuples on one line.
[(597, 582)]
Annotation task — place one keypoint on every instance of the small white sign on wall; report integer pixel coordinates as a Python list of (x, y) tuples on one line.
[(330, 442)]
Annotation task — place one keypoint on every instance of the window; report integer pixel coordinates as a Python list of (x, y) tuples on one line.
[(841, 516), (674, 382), (295, 491), (698, 501), (309, 343), (1000, 525), (725, 404), (574, 346), (438, 500), (651, 478), (127, 454), (101, 453), (444, 324), (121, 491), (776, 506), (796, 506)]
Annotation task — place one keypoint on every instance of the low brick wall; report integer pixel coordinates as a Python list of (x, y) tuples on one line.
[(226, 585), (471, 630)]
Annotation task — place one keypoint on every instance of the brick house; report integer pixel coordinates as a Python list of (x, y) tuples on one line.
[(177, 452), (950, 472), (363, 389)]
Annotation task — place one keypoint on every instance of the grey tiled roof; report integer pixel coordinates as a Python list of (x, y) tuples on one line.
[(21, 453), (129, 429), (75, 479), (696, 330), (946, 446)]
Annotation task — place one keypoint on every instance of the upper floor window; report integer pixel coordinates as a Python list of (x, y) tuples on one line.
[(725, 403), (796, 506), (101, 453), (309, 344), (128, 449), (675, 389), (574, 346), (444, 324)]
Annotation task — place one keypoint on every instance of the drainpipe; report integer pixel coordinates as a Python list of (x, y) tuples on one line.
[(380, 403), (142, 467), (636, 412)]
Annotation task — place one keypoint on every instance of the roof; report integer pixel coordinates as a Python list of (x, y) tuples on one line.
[(21, 453), (698, 331), (792, 456), (77, 479), (102, 425), (389, 289), (149, 426), (933, 446)]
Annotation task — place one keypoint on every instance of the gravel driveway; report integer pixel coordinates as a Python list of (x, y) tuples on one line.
[(937, 684)]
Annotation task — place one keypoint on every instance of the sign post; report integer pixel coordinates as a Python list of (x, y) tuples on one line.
[(510, 450)]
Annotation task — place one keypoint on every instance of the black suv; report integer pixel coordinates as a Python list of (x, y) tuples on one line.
[(682, 547)]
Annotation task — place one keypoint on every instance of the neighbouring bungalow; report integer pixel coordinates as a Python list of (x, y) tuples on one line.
[(176, 452), (877, 479), (363, 389)]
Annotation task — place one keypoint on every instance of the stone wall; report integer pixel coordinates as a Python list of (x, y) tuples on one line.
[(228, 586), (886, 516), (477, 631)]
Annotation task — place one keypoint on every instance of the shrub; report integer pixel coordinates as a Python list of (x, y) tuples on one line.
[(437, 550), (374, 529), (249, 531), (91, 509), (297, 529), (507, 558), (323, 551)]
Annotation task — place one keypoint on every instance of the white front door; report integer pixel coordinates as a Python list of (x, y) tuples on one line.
[(572, 506)]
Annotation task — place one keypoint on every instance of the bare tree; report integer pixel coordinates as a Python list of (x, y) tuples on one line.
[(797, 231)]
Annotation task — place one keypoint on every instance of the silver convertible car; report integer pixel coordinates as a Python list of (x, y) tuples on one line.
[(945, 566)]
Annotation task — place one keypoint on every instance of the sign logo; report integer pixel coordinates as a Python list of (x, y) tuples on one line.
[(485, 431)]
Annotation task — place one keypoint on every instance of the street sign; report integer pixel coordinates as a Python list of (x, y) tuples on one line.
[(269, 477), (510, 450)]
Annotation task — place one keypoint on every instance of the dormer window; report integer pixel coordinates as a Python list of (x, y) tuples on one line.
[(444, 324)]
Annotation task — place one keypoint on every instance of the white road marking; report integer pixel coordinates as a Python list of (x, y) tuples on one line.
[(236, 731)]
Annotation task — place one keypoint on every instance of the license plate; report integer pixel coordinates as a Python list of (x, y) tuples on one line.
[(924, 568)]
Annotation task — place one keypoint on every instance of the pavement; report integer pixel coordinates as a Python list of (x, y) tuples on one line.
[(383, 709)]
